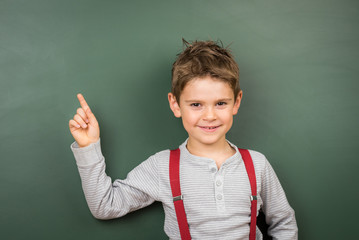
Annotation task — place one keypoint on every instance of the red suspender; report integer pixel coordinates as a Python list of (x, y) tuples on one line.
[(177, 195), (174, 170), (248, 162)]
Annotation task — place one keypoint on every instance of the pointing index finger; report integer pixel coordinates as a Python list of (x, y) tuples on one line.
[(83, 102)]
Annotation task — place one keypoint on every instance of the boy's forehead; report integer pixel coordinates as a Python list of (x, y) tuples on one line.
[(207, 87)]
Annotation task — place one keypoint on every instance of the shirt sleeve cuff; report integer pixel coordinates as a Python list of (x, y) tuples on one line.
[(87, 155)]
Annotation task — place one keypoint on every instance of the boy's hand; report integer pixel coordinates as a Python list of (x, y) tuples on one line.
[(84, 126)]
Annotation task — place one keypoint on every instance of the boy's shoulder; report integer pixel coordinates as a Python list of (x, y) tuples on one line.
[(257, 157), (159, 159), (259, 160), (162, 155)]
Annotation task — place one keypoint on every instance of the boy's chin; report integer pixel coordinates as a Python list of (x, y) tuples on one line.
[(208, 141)]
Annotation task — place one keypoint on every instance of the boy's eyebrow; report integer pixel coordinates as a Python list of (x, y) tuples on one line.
[(224, 99), (218, 100)]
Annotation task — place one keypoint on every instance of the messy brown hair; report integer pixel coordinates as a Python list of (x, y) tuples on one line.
[(201, 59)]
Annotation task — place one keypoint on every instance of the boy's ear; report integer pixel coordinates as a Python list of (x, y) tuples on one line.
[(174, 105), (237, 102)]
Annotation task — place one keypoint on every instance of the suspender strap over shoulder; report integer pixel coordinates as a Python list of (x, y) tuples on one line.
[(174, 170), (248, 162)]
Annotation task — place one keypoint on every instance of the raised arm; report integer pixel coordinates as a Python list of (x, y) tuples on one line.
[(107, 199)]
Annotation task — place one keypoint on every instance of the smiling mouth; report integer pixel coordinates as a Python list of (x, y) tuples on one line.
[(209, 128)]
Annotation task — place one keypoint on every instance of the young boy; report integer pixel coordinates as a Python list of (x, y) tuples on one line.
[(215, 188)]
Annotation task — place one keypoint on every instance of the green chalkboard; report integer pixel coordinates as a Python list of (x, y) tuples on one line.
[(298, 70)]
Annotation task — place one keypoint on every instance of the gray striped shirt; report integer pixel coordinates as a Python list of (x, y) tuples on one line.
[(217, 201)]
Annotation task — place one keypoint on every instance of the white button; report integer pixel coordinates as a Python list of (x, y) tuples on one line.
[(219, 196), (218, 183)]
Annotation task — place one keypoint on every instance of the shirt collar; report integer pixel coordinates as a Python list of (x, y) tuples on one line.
[(186, 155)]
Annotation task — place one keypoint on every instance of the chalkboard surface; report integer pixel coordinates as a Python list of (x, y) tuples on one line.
[(299, 73)]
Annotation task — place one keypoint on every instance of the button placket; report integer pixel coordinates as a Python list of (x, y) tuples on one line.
[(219, 196)]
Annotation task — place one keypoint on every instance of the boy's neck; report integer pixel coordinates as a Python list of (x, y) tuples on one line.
[(219, 151)]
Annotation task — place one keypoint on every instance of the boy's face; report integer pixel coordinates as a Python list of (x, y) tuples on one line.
[(206, 107)]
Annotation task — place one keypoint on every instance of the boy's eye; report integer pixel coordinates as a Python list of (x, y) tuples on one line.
[(221, 103), (195, 104)]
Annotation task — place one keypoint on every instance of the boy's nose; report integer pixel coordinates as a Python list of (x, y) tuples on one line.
[(209, 115)]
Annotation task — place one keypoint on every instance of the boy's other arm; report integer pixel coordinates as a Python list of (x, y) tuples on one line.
[(279, 214)]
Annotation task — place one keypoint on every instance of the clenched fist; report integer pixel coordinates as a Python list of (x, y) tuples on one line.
[(84, 126)]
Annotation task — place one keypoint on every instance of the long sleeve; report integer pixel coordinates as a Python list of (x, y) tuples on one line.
[(279, 215), (107, 199)]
